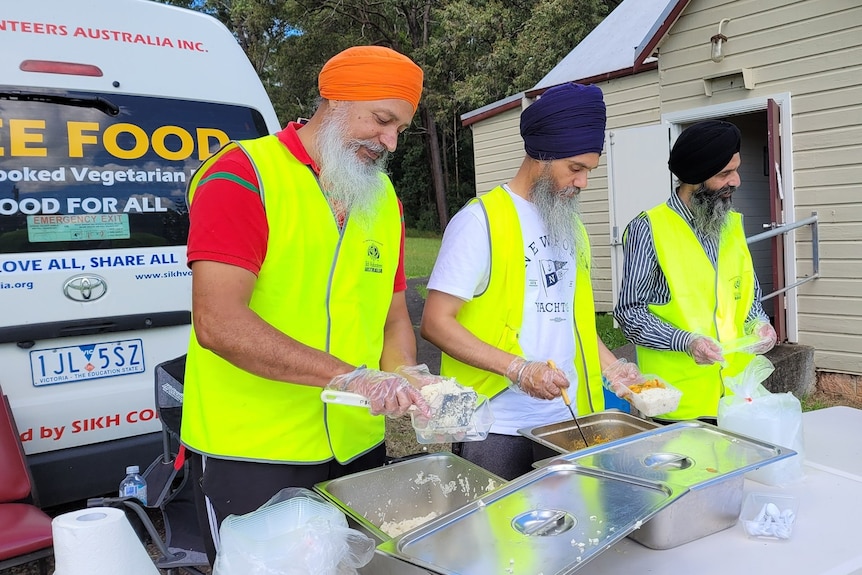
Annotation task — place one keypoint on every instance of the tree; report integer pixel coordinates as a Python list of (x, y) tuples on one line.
[(403, 25), (473, 53)]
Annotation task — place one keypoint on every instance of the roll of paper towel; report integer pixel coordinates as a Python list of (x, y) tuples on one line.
[(98, 541)]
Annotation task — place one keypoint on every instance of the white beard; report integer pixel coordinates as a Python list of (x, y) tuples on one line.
[(560, 214), (353, 187)]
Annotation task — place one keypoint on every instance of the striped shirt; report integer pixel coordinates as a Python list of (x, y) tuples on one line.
[(644, 284)]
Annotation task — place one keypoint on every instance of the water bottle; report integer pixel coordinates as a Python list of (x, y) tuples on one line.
[(134, 485)]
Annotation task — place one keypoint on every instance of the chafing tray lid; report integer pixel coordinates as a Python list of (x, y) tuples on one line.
[(690, 453), (552, 520)]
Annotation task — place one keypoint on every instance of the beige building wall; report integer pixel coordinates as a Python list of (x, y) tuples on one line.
[(632, 101), (811, 49), (497, 149)]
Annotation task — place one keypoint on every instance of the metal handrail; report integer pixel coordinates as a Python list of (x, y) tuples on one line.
[(781, 229)]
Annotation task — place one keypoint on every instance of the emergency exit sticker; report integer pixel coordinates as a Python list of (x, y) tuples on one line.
[(77, 227)]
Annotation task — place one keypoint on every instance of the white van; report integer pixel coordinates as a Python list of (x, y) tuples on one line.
[(106, 109)]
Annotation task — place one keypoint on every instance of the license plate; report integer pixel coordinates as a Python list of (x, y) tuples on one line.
[(88, 361)]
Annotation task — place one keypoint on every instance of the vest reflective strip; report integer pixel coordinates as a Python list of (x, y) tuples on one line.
[(482, 315), (702, 300), (340, 285)]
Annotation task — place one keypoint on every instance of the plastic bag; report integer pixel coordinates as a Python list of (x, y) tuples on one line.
[(776, 418), (758, 339), (296, 532)]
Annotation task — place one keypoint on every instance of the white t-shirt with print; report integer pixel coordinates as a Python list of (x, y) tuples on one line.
[(463, 268)]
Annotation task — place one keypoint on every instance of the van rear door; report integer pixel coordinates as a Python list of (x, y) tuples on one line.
[(93, 225)]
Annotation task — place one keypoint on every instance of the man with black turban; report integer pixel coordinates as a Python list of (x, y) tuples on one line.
[(689, 286), (510, 301)]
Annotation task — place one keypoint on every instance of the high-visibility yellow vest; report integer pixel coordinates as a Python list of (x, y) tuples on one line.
[(703, 300), (326, 288), (496, 315)]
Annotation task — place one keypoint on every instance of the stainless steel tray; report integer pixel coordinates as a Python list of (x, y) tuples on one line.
[(404, 491), (709, 461), (599, 429), (690, 453), (551, 520)]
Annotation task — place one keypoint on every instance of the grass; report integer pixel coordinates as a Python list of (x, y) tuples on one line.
[(419, 255), (611, 336)]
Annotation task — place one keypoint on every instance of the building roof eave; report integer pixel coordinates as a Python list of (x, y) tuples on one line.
[(659, 30), (646, 67)]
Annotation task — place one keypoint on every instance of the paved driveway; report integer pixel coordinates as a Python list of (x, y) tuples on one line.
[(427, 353)]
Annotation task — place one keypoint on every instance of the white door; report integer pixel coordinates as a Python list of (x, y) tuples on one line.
[(638, 179)]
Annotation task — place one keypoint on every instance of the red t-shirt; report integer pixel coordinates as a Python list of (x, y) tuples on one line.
[(227, 220)]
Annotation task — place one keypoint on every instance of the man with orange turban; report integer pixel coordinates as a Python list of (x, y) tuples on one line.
[(296, 252)]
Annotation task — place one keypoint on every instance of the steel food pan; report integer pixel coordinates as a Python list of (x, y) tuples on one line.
[(599, 428), (709, 461), (552, 520), (398, 496)]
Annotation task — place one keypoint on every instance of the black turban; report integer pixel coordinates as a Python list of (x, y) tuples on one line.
[(567, 120), (703, 150)]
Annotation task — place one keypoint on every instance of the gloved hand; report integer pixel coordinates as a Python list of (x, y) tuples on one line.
[(619, 375), (417, 375), (763, 330), (536, 378), (705, 350), (389, 393)]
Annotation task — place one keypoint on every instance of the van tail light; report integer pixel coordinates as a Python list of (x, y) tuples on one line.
[(70, 68)]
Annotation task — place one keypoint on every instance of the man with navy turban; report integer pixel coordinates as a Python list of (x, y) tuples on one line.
[(510, 301), (689, 290)]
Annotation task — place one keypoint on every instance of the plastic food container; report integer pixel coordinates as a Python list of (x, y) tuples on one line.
[(429, 431), (769, 515), (653, 396)]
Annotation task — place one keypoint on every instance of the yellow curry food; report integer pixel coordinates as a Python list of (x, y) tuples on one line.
[(648, 384)]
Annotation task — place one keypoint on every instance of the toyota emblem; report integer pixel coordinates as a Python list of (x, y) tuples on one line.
[(85, 287)]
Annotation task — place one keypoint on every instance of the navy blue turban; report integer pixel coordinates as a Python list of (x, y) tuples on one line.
[(567, 120), (703, 150)]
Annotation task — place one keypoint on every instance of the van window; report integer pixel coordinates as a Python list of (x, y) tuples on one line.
[(84, 171)]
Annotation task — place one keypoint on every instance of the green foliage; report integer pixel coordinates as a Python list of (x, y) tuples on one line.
[(491, 49), (473, 53), (611, 336)]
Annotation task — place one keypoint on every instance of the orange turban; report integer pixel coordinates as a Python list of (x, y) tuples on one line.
[(370, 73)]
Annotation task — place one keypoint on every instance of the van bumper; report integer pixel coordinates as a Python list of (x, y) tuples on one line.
[(75, 474)]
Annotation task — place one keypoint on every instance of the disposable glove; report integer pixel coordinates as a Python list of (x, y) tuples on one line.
[(389, 393), (417, 375), (705, 350), (536, 378), (621, 374), (764, 331)]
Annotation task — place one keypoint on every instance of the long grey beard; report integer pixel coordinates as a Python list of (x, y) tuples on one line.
[(709, 210), (354, 186), (560, 214)]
